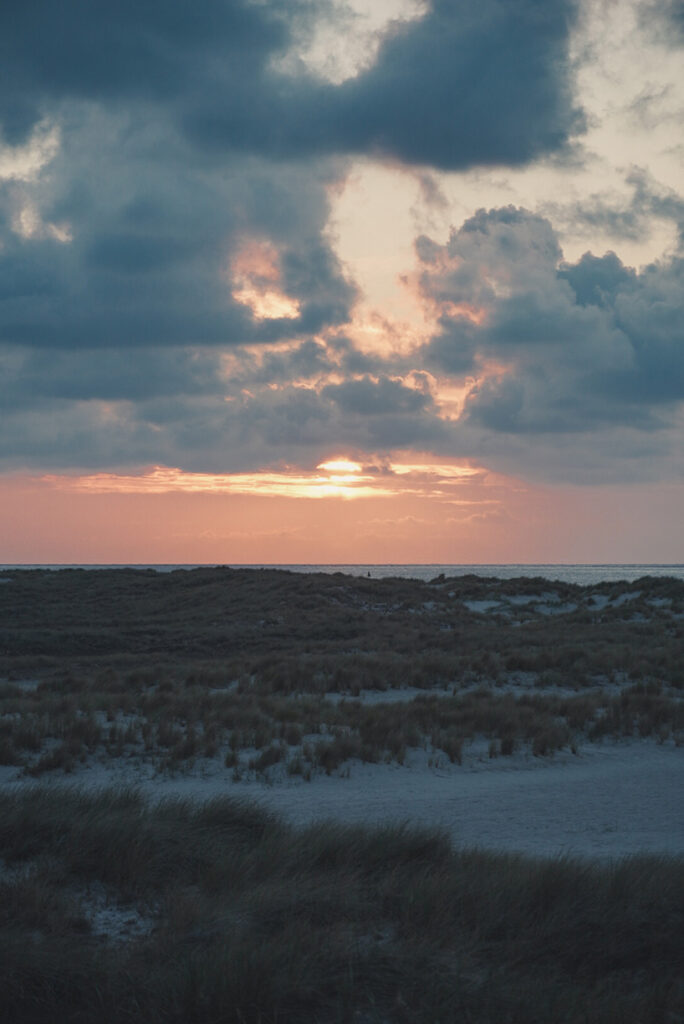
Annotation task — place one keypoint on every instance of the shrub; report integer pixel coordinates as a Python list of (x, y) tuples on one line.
[(268, 757)]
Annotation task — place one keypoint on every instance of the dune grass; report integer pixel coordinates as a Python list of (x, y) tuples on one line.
[(245, 670), (316, 632), (175, 723), (252, 920), (117, 909)]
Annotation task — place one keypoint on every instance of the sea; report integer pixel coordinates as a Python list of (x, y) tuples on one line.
[(585, 575)]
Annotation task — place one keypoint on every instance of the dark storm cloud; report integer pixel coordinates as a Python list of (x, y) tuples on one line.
[(153, 222), (582, 346), (372, 398), (152, 244), (34, 376), (458, 87), (180, 139), (536, 403), (153, 226), (596, 279), (300, 423), (353, 362), (454, 348), (302, 362), (454, 88), (126, 52), (207, 433), (308, 361)]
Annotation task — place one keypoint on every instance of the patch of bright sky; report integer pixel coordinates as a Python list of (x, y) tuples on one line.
[(631, 86), (27, 222), (22, 166), (24, 163), (346, 38), (255, 278), (374, 225)]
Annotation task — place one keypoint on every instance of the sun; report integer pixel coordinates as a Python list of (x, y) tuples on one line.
[(340, 466)]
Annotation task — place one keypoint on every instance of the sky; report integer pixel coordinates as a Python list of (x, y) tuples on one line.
[(310, 281)]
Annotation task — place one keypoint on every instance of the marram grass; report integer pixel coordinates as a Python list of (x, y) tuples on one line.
[(247, 919)]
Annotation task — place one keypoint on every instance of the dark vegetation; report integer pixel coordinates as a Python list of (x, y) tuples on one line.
[(244, 919), (238, 666), (114, 909), (317, 632)]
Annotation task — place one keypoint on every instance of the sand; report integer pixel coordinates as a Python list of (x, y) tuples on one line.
[(610, 800)]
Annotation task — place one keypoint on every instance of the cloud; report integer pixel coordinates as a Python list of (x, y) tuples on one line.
[(592, 349), (88, 50), (30, 376), (369, 397), (455, 89), (596, 279), (566, 370), (145, 150), (150, 235), (338, 478), (620, 219), (650, 108), (606, 330), (322, 483), (170, 292), (212, 427), (677, 15), (308, 360), (665, 19), (452, 89)]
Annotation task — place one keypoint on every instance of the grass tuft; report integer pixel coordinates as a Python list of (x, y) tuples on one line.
[(254, 920)]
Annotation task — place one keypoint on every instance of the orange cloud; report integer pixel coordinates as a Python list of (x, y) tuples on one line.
[(336, 478), (464, 311), (256, 281), (288, 484)]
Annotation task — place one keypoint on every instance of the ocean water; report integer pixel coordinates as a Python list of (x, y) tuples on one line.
[(584, 575)]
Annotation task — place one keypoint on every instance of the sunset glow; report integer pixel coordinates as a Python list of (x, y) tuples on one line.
[(286, 292), (162, 480), (337, 478), (340, 466), (465, 311), (267, 305), (255, 277)]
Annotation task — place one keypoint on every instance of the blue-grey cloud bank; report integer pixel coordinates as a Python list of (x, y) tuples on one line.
[(187, 133)]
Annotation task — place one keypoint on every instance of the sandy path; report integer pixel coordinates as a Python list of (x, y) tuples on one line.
[(611, 800)]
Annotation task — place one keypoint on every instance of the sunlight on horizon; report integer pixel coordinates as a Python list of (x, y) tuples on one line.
[(335, 478)]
